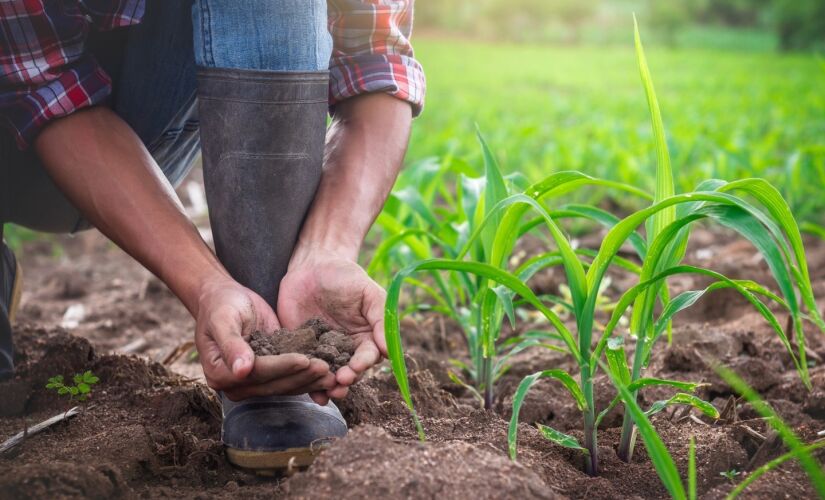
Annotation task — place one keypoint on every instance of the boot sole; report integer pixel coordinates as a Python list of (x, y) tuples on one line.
[(267, 463), (16, 291)]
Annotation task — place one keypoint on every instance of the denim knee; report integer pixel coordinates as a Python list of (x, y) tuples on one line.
[(275, 35)]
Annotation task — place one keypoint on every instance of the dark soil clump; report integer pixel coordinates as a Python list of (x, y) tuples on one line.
[(315, 338)]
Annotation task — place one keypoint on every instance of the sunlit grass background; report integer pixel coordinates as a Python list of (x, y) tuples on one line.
[(554, 85), (729, 113)]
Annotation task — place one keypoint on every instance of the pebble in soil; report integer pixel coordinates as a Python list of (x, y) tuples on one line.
[(315, 339)]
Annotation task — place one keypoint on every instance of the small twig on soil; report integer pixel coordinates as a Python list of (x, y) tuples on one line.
[(31, 431), (772, 440), (698, 420), (683, 415), (821, 433), (177, 352), (753, 433), (729, 415)]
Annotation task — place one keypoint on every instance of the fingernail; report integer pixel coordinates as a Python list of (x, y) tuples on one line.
[(237, 366)]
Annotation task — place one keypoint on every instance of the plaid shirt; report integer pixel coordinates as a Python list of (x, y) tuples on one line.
[(46, 72)]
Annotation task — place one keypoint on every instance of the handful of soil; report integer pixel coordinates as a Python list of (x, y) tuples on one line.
[(315, 339)]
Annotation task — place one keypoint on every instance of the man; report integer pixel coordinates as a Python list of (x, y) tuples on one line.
[(107, 102)]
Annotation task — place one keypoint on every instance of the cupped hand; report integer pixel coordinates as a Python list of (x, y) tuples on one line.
[(228, 312), (336, 289)]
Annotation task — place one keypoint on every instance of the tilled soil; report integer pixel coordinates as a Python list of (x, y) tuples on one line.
[(315, 338), (152, 429)]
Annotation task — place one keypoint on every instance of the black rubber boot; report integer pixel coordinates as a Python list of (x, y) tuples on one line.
[(10, 288), (262, 136)]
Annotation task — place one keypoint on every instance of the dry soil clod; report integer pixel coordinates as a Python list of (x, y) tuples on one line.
[(315, 339)]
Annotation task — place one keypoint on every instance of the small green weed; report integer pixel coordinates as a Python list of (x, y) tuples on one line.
[(730, 475), (80, 390)]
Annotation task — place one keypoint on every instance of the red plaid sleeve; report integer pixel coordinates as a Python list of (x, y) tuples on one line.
[(372, 51), (45, 70)]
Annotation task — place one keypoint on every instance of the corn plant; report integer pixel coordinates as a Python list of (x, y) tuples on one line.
[(751, 207), (422, 223)]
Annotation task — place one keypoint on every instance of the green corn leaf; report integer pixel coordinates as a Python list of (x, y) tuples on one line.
[(773, 464), (505, 297), (814, 229), (807, 461), (628, 297), (641, 383), (682, 398), (412, 197), (387, 245), (688, 298), (495, 191), (664, 174), (652, 381), (392, 320), (490, 324), (521, 345), (659, 456), (617, 361), (604, 218), (521, 392), (573, 267), (560, 438), (393, 226), (472, 390)]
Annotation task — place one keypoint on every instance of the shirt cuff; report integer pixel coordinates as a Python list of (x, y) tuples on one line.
[(397, 75), (28, 111)]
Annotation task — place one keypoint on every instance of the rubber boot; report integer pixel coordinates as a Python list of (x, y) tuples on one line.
[(10, 291), (262, 136)]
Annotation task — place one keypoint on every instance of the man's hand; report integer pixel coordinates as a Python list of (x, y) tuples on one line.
[(323, 284), (227, 312)]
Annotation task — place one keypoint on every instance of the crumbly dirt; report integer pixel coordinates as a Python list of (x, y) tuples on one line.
[(152, 428), (315, 338)]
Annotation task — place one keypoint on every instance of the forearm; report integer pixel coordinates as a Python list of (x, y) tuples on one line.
[(104, 169), (364, 153)]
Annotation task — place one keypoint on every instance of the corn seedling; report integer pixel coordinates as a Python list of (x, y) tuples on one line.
[(751, 207)]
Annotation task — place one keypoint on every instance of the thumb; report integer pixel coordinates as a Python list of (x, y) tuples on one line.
[(236, 353), (374, 300)]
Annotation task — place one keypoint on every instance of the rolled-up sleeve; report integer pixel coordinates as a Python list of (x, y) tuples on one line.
[(372, 51), (45, 69)]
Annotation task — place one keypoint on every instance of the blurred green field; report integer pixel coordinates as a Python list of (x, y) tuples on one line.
[(728, 114)]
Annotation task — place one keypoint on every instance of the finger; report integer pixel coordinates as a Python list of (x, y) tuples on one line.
[(366, 355), (338, 392), (321, 398), (345, 376), (304, 382), (225, 327), (272, 367), (217, 373), (266, 320)]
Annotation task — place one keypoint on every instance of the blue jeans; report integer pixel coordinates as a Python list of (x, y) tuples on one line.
[(153, 67)]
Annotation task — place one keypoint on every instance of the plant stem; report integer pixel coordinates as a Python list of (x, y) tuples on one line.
[(628, 438), (487, 377), (590, 438)]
